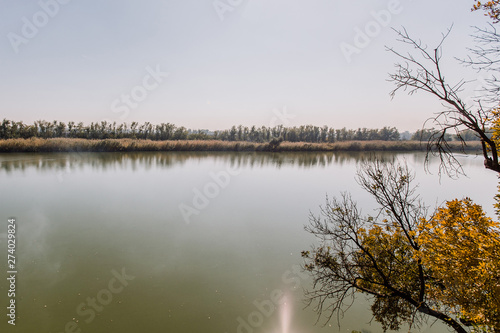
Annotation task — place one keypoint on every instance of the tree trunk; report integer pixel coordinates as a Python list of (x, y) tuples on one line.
[(441, 316)]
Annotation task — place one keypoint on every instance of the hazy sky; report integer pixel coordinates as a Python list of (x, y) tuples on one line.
[(250, 62)]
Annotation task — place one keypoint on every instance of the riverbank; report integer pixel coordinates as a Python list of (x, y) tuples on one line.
[(117, 145)]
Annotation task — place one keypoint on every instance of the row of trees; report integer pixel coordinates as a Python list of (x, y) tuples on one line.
[(307, 133), (466, 135), (104, 130)]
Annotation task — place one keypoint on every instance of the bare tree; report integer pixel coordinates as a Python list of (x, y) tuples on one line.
[(377, 255), (485, 57), (420, 70)]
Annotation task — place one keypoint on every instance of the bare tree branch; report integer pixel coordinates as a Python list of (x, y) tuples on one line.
[(373, 255), (420, 70)]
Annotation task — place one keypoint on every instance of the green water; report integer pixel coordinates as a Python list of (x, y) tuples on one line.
[(181, 242)]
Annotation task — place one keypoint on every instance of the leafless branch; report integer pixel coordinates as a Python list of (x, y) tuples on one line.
[(421, 70)]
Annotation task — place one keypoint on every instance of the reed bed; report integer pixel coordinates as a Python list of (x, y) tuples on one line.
[(126, 145)]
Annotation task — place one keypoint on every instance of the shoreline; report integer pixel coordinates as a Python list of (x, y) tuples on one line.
[(35, 145)]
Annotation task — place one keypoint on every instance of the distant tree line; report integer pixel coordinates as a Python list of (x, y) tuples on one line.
[(305, 133), (427, 134), (99, 130), (166, 131)]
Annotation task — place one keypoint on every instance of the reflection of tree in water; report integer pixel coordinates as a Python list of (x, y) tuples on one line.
[(69, 162)]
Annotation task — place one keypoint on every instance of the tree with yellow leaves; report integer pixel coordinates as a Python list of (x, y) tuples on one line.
[(445, 266), (460, 247), (496, 126), (395, 256)]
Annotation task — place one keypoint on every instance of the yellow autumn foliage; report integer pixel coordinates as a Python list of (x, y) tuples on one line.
[(461, 248), (496, 127), (491, 8), (389, 246)]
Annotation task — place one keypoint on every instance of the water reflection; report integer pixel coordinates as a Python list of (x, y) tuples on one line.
[(131, 160), (286, 314), (122, 210)]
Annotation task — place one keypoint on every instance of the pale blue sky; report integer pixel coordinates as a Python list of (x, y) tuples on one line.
[(264, 56)]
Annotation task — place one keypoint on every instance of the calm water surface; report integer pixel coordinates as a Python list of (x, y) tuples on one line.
[(182, 242)]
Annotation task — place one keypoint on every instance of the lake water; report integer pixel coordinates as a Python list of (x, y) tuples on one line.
[(182, 242)]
